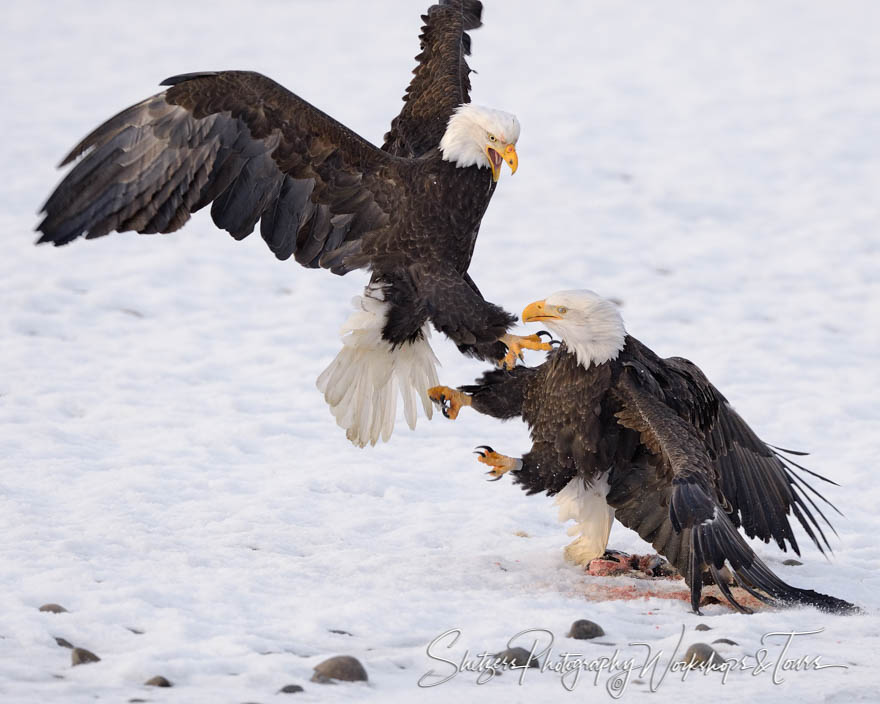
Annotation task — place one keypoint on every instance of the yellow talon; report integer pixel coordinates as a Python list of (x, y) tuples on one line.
[(449, 400), (500, 464), (515, 346)]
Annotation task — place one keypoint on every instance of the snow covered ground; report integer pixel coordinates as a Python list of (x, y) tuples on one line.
[(167, 465)]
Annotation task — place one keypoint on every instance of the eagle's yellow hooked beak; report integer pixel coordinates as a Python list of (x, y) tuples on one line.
[(495, 157), (539, 311)]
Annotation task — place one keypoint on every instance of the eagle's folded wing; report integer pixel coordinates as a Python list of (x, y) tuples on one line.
[(697, 517)]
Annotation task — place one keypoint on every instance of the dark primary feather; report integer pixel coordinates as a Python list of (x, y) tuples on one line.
[(440, 82)]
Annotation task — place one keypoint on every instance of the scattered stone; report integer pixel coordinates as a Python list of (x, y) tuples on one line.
[(709, 600), (522, 534), (53, 609), (584, 630), (791, 562), (700, 653), (290, 689), (81, 656), (137, 701), (63, 642), (341, 667), (726, 641), (136, 631), (518, 657), (339, 632), (702, 627), (158, 681)]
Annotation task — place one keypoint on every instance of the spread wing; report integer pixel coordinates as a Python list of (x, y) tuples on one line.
[(440, 82), (243, 143), (676, 503)]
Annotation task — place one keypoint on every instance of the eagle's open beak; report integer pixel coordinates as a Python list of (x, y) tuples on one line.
[(537, 311), (495, 158)]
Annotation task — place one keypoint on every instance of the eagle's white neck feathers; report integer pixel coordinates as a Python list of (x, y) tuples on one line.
[(465, 139), (592, 327)]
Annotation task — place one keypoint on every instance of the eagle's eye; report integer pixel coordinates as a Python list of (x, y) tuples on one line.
[(492, 138), (562, 310)]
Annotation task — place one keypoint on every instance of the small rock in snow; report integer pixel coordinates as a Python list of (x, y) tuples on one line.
[(700, 653), (584, 630), (53, 609), (702, 627), (340, 667), (517, 656), (726, 641), (290, 689), (339, 632), (792, 562), (81, 656), (158, 681)]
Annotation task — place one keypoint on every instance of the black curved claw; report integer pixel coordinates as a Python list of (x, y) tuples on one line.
[(484, 447), (554, 343), (544, 332), (444, 409), (495, 479)]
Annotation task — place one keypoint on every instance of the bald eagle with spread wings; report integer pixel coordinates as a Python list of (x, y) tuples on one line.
[(409, 212), (618, 432)]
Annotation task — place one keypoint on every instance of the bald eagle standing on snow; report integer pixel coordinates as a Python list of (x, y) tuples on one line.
[(409, 212), (620, 433)]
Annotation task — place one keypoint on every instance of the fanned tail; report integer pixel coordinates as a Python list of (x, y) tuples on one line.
[(362, 383)]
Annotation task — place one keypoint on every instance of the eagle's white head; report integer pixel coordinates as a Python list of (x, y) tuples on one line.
[(589, 325), (478, 136)]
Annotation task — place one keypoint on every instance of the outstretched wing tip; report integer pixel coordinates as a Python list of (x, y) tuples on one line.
[(184, 77)]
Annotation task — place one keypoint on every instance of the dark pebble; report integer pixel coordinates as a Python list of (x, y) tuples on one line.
[(518, 656), (158, 681), (53, 609), (81, 656), (136, 631), (726, 641), (339, 632), (792, 563), (63, 642), (290, 689), (700, 653), (702, 627), (584, 630), (342, 667)]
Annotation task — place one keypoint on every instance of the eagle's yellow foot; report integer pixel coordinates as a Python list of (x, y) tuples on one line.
[(517, 343), (500, 464), (449, 400)]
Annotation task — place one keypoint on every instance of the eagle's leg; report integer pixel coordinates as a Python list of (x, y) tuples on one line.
[(449, 400), (500, 464), (517, 343)]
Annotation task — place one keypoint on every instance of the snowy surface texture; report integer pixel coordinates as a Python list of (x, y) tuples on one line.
[(167, 465)]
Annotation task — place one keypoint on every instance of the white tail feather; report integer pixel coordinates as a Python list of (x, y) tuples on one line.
[(362, 383), (592, 515)]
